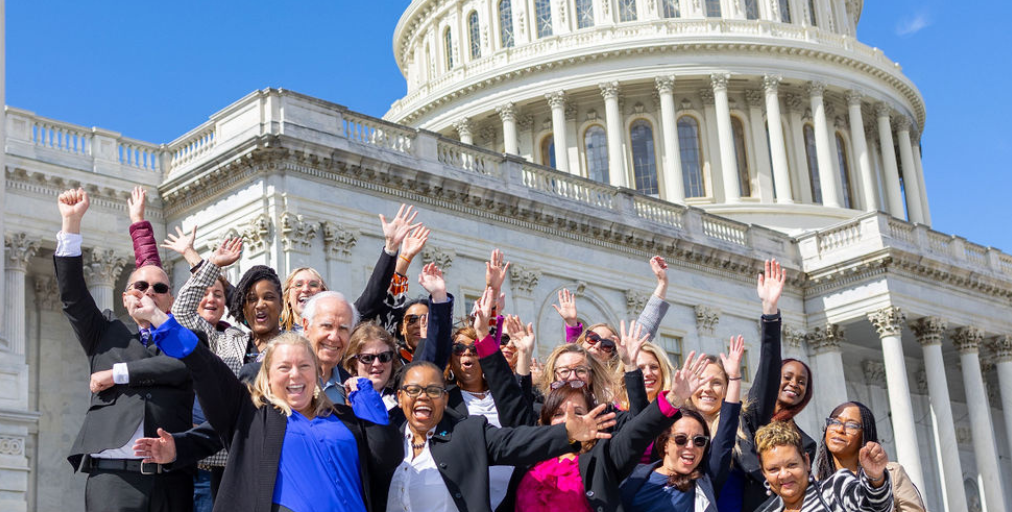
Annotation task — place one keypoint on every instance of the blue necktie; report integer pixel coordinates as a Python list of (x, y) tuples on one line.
[(145, 336)]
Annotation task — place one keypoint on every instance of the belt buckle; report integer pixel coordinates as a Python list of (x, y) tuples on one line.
[(157, 470)]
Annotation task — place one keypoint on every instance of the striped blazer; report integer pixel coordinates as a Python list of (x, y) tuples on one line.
[(842, 492)]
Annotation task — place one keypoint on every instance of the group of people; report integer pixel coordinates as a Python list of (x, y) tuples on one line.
[(309, 401)]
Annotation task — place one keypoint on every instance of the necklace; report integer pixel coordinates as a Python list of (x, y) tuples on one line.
[(419, 446), (480, 396)]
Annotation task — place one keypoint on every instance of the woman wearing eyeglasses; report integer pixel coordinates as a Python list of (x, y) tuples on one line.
[(848, 428), (372, 354)]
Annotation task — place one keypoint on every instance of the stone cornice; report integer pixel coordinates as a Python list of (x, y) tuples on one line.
[(49, 185)]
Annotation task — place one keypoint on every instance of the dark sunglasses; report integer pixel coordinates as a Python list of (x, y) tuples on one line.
[(460, 348), (575, 384), (697, 441), (412, 319), (503, 340), (384, 357), (142, 287), (593, 338)]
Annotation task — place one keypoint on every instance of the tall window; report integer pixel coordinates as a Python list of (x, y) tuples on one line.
[(474, 32), (627, 10), (785, 11), (543, 16), (752, 9), (596, 144), (548, 151), (448, 43), (712, 8), (644, 157), (672, 346), (744, 177), (505, 23), (813, 164), (584, 13), (844, 162), (671, 9), (692, 162), (812, 18)]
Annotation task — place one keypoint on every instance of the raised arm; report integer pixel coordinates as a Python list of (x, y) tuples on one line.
[(143, 236), (86, 319), (629, 345), (190, 295), (370, 303), (437, 343), (871, 491), (657, 305), (524, 446), (183, 244), (566, 308), (762, 395)]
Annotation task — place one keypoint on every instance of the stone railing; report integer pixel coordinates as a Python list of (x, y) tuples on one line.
[(567, 186), (370, 130), (467, 157)]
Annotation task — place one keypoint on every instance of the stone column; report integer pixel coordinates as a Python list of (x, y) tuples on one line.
[(930, 331), (778, 149), (831, 387), (19, 250), (557, 101), (891, 174), (764, 170), (889, 324), (102, 268), (925, 211), (728, 160), (823, 147), (967, 340), (613, 119), (911, 183), (857, 139), (795, 109), (1002, 346), (465, 129), (508, 115), (674, 185)]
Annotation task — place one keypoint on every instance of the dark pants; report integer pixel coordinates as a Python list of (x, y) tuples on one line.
[(133, 492), (217, 472), (202, 501)]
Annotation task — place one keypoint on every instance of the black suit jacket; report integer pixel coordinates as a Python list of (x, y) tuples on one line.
[(160, 391)]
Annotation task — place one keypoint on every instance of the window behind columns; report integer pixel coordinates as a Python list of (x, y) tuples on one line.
[(641, 134), (595, 143), (505, 23), (671, 9), (844, 162), (752, 9), (627, 10), (691, 153), (813, 19), (712, 8), (448, 44), (769, 151), (474, 33), (903, 183), (813, 164), (543, 17), (785, 11), (740, 154), (584, 13), (548, 150)]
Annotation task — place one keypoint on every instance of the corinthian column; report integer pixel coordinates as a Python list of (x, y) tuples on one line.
[(891, 175), (613, 119), (823, 147), (465, 130), (930, 331), (728, 159), (508, 115), (911, 182), (925, 211), (102, 268), (967, 340), (868, 185), (18, 251), (778, 150), (557, 101), (831, 386), (889, 324), (674, 187), (1002, 346)]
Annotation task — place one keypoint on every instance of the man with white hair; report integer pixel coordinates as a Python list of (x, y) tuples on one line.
[(327, 321)]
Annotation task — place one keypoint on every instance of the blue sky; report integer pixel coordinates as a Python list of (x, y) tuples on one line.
[(153, 70)]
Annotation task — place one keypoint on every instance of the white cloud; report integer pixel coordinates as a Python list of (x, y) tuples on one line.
[(911, 25)]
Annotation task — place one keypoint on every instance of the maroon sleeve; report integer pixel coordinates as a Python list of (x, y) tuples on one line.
[(145, 246)]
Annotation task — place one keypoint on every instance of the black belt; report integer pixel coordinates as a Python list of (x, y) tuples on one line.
[(128, 465)]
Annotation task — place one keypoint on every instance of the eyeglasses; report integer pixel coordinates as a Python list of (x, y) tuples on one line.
[(564, 372), (699, 441), (593, 339), (460, 348), (367, 359), (575, 384), (412, 319), (414, 390), (850, 427), (142, 286), (310, 284)]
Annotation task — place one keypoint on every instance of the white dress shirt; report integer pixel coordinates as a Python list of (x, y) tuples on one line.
[(498, 476), (417, 484)]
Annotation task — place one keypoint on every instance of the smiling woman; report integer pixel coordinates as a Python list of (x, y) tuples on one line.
[(300, 286)]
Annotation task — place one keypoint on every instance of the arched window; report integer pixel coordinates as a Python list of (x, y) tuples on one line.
[(812, 15), (505, 23), (813, 164), (543, 17), (627, 10), (844, 162), (596, 145), (671, 9), (474, 32), (712, 8), (785, 11), (548, 151), (752, 9), (448, 43), (689, 149), (744, 177), (584, 13), (644, 157)]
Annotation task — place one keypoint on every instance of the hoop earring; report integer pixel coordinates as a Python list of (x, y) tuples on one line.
[(766, 484)]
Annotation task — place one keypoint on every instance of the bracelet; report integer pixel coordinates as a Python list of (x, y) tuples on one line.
[(878, 481), (734, 378), (406, 259)]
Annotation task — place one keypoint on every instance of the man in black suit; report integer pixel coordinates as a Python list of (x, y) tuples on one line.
[(135, 388)]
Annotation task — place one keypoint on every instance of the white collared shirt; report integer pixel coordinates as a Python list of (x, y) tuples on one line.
[(417, 482), (498, 476)]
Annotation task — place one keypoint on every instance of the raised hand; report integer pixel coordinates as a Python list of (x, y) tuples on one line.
[(660, 270), (495, 270), (567, 307), (431, 278), (770, 285), (227, 253), (398, 228), (135, 204), (523, 338), (732, 360), (629, 343), (873, 460), (483, 312), (589, 426), (156, 450), (73, 204), (183, 244), (414, 242), (686, 380)]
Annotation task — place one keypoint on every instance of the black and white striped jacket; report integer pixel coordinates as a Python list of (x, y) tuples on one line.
[(842, 492)]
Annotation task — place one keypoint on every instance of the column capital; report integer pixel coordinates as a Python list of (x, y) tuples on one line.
[(665, 84), (1002, 346), (826, 339), (902, 123), (707, 95), (610, 90), (755, 98), (47, 293), (793, 336), (882, 109), (297, 232), (815, 88), (19, 250), (707, 319), (771, 82), (103, 267), (793, 102), (967, 339), (556, 99), (507, 112), (888, 321), (524, 279), (338, 240), (464, 127), (854, 97), (719, 81), (929, 330), (874, 372), (443, 258)]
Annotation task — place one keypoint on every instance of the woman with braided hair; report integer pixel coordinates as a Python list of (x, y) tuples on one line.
[(256, 304)]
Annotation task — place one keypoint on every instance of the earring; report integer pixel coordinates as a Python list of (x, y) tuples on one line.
[(316, 392), (766, 484)]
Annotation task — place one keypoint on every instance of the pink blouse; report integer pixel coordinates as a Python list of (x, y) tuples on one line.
[(553, 485)]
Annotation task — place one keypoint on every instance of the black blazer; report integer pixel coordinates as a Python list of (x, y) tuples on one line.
[(464, 448), (254, 436), (160, 390)]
